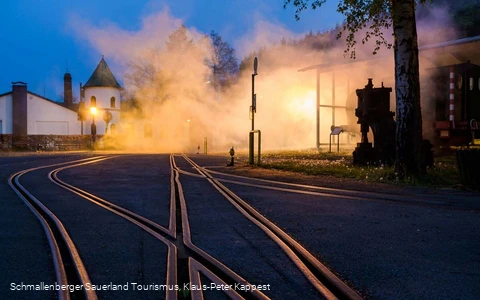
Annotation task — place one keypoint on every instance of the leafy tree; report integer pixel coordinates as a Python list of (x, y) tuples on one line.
[(468, 19), (372, 16), (223, 62)]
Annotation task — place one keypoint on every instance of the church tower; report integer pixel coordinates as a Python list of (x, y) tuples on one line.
[(102, 91)]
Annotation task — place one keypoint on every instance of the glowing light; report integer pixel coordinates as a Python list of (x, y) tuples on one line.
[(308, 105), (304, 107), (188, 120), (93, 110)]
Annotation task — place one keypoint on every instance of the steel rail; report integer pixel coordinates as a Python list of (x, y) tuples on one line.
[(333, 191), (69, 268), (168, 237), (149, 226), (439, 202), (214, 263), (326, 283), (197, 267)]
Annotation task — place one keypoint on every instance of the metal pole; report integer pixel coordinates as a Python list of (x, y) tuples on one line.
[(333, 98), (94, 129), (251, 138), (318, 112), (253, 107), (205, 145), (333, 103), (259, 147)]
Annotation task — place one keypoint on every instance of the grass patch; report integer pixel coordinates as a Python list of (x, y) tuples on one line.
[(443, 174)]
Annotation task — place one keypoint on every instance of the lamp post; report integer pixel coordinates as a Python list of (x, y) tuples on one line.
[(253, 110), (93, 111), (254, 96)]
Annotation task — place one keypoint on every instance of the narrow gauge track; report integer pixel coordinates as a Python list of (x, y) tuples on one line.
[(69, 268), (431, 200), (185, 261), (324, 281)]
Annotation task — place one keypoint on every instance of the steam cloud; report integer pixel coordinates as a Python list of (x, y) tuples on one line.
[(181, 107)]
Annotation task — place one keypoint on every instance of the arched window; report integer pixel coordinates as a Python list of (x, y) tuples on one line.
[(93, 101), (112, 102), (471, 83)]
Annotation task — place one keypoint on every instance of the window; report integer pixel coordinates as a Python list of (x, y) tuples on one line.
[(478, 85), (93, 101), (112, 102), (459, 82), (471, 83)]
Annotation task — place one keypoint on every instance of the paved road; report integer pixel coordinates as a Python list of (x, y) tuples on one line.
[(384, 249)]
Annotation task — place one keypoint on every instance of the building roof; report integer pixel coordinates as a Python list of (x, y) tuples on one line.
[(434, 55), (73, 108), (102, 77)]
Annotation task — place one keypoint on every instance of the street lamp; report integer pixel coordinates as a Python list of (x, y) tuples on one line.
[(93, 111)]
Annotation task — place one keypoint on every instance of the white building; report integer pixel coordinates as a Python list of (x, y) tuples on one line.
[(26, 113), (23, 112)]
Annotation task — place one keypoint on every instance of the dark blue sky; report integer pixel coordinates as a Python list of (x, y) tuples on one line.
[(38, 38)]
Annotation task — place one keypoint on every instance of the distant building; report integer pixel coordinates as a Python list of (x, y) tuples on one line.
[(25, 113)]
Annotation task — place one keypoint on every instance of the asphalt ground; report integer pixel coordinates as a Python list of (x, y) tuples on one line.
[(112, 249), (386, 250), (24, 251), (140, 183), (223, 232)]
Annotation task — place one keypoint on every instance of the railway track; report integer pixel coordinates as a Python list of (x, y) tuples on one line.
[(323, 280), (467, 203), (69, 268), (185, 260)]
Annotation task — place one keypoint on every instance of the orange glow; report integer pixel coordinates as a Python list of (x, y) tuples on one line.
[(93, 110), (304, 106)]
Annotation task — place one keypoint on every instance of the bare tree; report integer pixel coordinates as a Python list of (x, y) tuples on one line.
[(223, 62), (178, 41)]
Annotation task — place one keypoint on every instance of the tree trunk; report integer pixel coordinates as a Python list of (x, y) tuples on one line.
[(408, 160)]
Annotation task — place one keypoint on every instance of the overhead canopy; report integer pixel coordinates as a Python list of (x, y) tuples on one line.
[(435, 55), (453, 52)]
